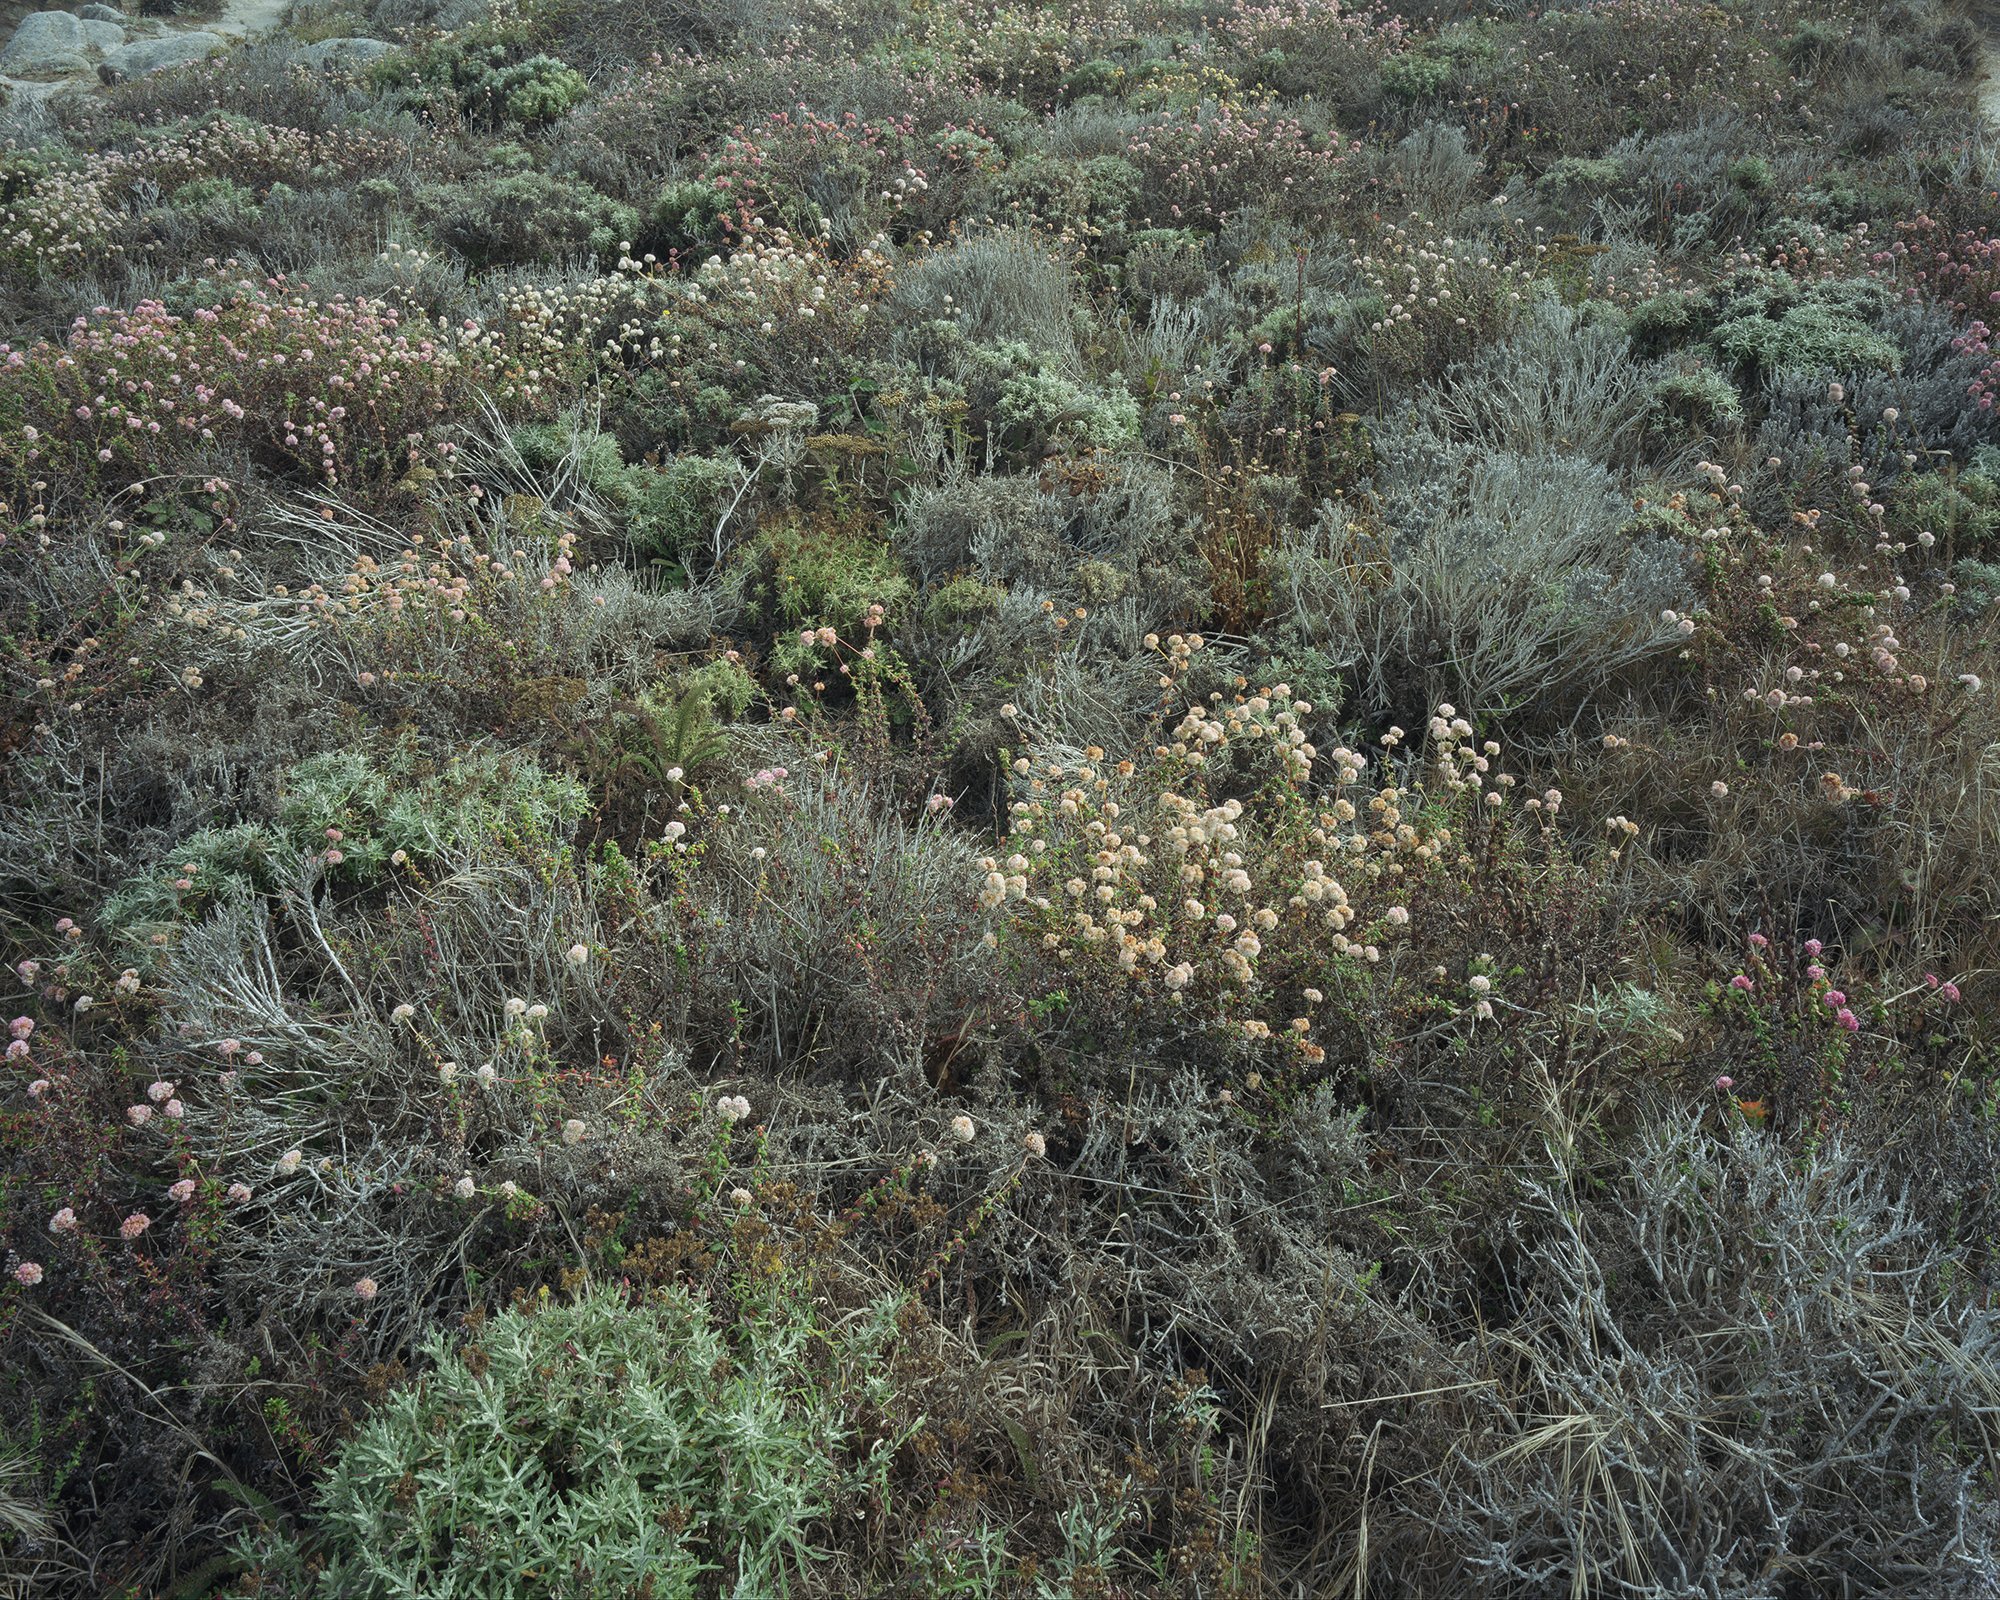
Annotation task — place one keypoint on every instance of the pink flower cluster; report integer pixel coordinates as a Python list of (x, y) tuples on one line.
[(1205, 162), (340, 387)]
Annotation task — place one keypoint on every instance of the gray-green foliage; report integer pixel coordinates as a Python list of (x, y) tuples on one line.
[(1699, 401), (376, 807), (1037, 397), (1818, 328), (666, 512), (1766, 322), (609, 1447), (520, 217), (1493, 577)]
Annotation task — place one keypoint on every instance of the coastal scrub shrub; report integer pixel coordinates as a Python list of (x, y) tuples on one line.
[(353, 817), (336, 390), (511, 218), (624, 1444), (1484, 575)]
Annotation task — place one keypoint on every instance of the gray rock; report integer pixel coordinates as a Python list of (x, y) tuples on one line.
[(47, 44), (103, 35), (343, 53), (142, 56), (98, 13)]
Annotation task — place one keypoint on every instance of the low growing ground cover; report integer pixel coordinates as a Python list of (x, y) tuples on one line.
[(1114, 799)]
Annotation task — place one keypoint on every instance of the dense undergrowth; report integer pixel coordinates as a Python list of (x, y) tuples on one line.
[(1100, 800)]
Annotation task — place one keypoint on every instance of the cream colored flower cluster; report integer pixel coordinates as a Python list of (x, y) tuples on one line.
[(1239, 872)]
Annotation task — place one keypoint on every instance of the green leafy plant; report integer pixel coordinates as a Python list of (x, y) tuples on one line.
[(608, 1447)]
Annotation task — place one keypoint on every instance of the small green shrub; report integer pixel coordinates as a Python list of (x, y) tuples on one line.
[(825, 577), (516, 218), (1751, 175), (609, 1447), (671, 513), (1701, 401), (478, 69), (1772, 323), (688, 213), (1038, 399), (1962, 512), (1416, 75), (538, 90), (1574, 175), (355, 815)]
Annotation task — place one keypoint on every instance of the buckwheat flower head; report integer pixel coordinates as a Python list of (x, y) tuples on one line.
[(573, 1131), (1479, 983), (139, 1116), (1483, 1010), (288, 1163), (134, 1225), (1035, 1145), (465, 1188), (487, 1076), (515, 1007), (578, 954), (17, 1049), (1725, 1082), (156, 1092), (20, 1027), (962, 1129), (447, 1070), (1397, 916), (509, 1189), (239, 1193), (181, 1193), (537, 1013), (28, 1274), (732, 1108), (403, 1012), (741, 1197), (364, 1288), (64, 1221)]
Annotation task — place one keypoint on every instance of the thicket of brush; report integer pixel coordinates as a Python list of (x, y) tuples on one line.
[(1097, 800)]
